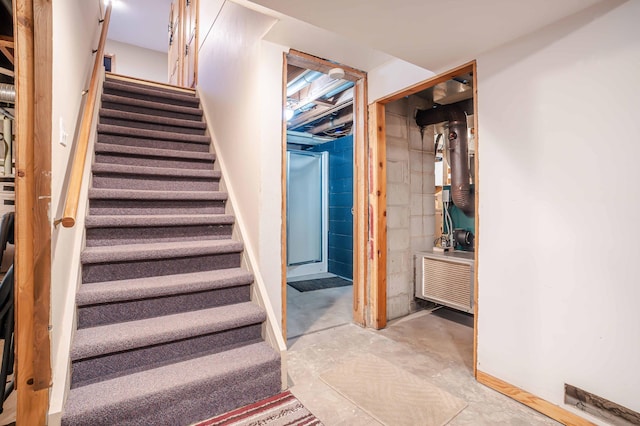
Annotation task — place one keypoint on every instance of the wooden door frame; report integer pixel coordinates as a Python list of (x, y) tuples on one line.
[(33, 34), (181, 43), (185, 61), (378, 143), (360, 168)]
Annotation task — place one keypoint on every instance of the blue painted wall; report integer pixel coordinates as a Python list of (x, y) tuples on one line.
[(340, 204)]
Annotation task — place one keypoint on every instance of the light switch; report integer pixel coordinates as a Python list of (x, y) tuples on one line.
[(63, 133)]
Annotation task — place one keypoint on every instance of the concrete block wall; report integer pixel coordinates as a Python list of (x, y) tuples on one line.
[(410, 201), (340, 256)]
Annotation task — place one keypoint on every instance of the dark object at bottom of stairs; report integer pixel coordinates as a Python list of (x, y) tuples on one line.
[(319, 284), (283, 408)]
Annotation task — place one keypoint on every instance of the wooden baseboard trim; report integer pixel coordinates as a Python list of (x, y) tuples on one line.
[(545, 407), (150, 83)]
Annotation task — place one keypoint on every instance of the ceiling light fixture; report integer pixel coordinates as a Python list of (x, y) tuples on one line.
[(288, 114), (336, 73), (116, 4)]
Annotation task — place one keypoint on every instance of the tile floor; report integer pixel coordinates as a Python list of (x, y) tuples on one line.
[(435, 345)]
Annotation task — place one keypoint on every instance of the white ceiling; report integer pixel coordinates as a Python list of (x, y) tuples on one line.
[(430, 33), (310, 39), (142, 23)]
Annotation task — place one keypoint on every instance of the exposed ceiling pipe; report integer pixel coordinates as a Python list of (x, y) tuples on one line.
[(461, 193), (440, 114), (332, 124), (319, 93), (7, 93), (341, 88), (303, 80), (313, 115)]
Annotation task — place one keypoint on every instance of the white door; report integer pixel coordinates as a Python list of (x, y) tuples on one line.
[(305, 200)]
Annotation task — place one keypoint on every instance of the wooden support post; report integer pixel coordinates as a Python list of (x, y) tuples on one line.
[(360, 203), (33, 196), (378, 218)]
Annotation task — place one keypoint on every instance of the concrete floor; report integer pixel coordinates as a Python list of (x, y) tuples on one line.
[(312, 311), (434, 345)]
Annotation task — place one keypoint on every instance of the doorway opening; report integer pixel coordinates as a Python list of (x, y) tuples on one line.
[(109, 62), (323, 147), (425, 198)]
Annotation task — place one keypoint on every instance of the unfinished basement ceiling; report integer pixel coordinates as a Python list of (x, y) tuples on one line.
[(430, 33), (319, 106)]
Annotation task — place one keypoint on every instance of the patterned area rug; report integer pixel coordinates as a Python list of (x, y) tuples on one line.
[(392, 395), (281, 410), (319, 284)]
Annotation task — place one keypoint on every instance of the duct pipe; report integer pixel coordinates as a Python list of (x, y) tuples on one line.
[(456, 114), (7, 93), (302, 81), (461, 193), (441, 113)]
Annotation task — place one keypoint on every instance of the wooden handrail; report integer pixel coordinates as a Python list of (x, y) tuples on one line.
[(77, 168)]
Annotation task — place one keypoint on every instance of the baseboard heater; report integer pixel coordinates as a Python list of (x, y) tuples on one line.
[(446, 279)]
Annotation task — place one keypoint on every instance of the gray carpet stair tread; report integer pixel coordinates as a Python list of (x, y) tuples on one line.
[(130, 221), (109, 148), (154, 171), (123, 100), (106, 339), (151, 134), (140, 194), (98, 400), (166, 330), (165, 285), (167, 87), (164, 250), (151, 92), (147, 118)]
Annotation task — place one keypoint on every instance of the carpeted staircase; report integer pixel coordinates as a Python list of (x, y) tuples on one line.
[(167, 334)]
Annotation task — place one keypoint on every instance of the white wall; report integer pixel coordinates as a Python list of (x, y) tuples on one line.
[(393, 76), (240, 82), (559, 207), (75, 34), (135, 61), (271, 60)]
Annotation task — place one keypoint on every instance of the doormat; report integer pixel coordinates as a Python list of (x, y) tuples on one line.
[(391, 395), (282, 409), (319, 284)]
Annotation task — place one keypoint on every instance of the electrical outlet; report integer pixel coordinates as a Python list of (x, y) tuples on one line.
[(63, 133)]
